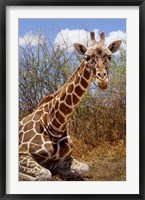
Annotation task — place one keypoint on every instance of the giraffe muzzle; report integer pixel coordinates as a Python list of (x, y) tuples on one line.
[(103, 84)]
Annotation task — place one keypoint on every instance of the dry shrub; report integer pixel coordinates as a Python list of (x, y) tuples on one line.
[(102, 150), (96, 123)]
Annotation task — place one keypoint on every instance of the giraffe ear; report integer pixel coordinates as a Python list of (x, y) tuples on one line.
[(81, 49), (114, 46)]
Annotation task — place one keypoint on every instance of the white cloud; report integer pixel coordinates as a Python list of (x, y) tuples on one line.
[(66, 38), (115, 35), (31, 38)]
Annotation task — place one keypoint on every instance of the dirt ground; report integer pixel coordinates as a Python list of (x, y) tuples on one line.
[(104, 170)]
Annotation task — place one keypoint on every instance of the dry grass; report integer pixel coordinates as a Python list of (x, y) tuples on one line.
[(107, 161)]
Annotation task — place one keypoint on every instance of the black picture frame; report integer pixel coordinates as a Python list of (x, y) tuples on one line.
[(3, 117)]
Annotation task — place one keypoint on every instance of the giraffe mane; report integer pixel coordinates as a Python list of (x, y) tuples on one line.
[(48, 98)]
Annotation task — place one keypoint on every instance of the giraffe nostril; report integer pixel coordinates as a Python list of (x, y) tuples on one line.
[(99, 74)]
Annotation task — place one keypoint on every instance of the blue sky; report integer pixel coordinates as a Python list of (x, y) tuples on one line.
[(51, 27)]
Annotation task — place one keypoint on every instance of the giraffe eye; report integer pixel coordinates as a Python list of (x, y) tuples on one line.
[(87, 58), (109, 58)]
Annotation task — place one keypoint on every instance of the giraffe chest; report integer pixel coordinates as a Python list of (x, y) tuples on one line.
[(43, 148), (62, 148), (36, 139), (59, 150)]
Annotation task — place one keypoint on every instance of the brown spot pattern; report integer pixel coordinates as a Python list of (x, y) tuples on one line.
[(28, 126), (38, 127), (48, 147), (39, 159), (75, 99), (65, 109), (56, 123), (63, 94), (56, 105), (86, 74), (20, 127), (46, 108), (34, 147), (46, 137), (77, 79), (59, 117), (27, 119), (79, 91), (68, 100), (46, 118), (99, 51), (50, 105), (38, 115), (84, 83), (37, 140), (70, 88), (23, 147), (43, 153), (28, 136), (20, 136)]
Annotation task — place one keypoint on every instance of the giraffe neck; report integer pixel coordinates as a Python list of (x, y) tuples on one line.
[(75, 88), (70, 95)]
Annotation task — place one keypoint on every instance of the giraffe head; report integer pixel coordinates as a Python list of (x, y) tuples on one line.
[(97, 56)]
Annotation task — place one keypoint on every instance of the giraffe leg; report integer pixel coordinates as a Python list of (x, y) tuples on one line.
[(30, 170), (80, 167), (72, 163), (71, 169)]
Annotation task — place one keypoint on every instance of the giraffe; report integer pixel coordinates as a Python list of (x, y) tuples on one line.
[(45, 146)]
